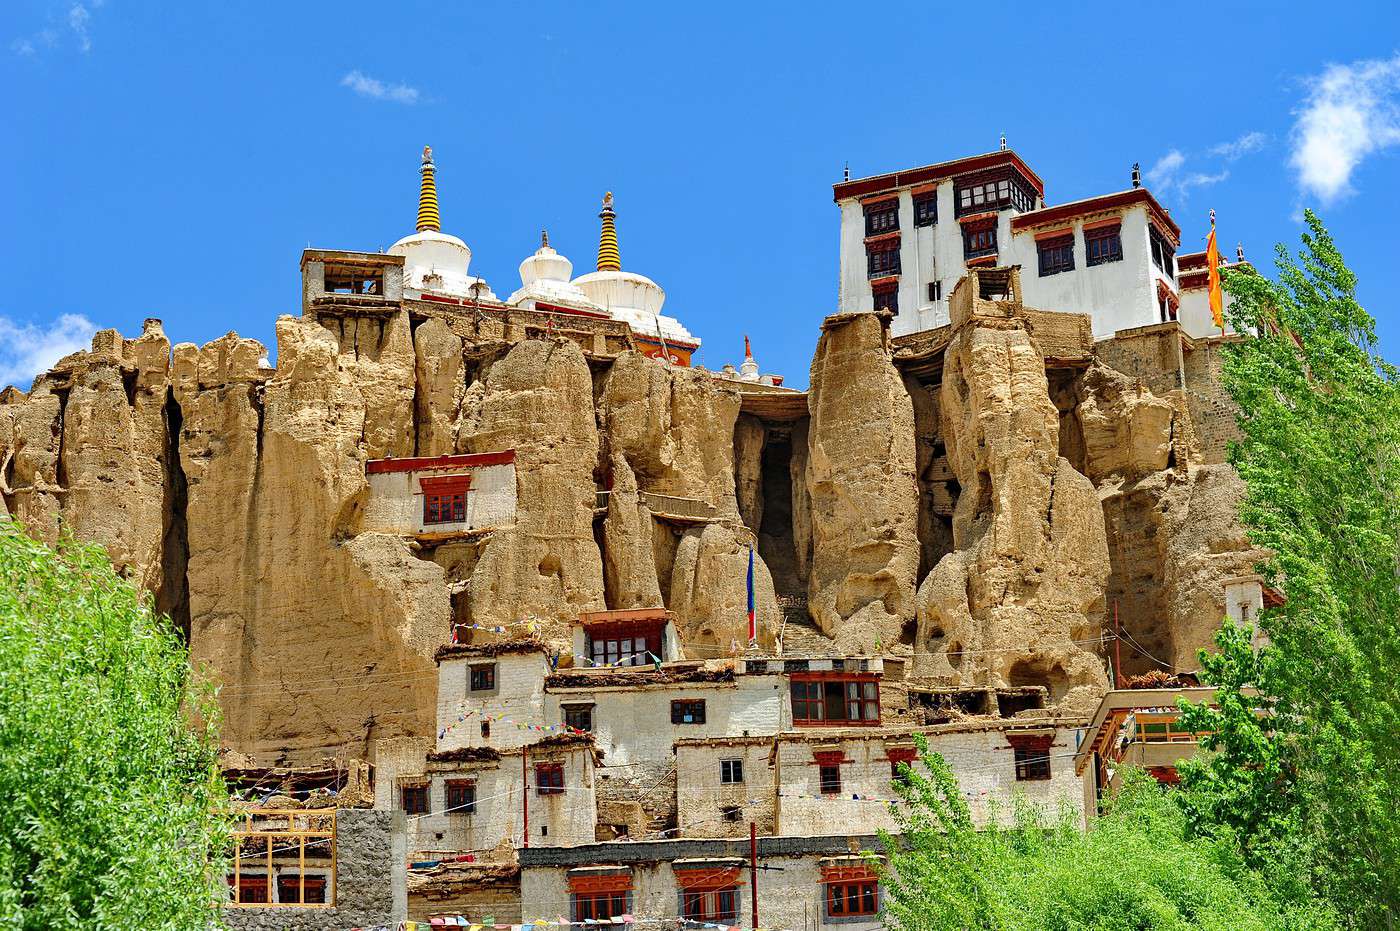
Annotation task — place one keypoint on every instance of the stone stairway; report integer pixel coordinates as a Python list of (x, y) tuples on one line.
[(800, 635)]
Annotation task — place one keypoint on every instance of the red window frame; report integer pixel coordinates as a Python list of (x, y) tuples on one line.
[(600, 897), (419, 796), (1103, 244), (549, 778), (831, 699), (897, 755), (849, 898), (445, 499), (713, 905), (461, 796), (251, 890), (625, 643), (289, 890), (1031, 757), (1056, 255)]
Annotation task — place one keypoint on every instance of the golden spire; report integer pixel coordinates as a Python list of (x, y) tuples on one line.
[(609, 259), (428, 218)]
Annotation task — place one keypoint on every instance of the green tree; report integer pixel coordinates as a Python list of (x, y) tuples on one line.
[(112, 801), (1135, 869), (1320, 459)]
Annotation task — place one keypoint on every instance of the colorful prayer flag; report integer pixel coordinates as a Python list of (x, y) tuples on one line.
[(1216, 296)]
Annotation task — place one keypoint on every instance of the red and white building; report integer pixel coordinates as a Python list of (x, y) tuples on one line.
[(441, 494)]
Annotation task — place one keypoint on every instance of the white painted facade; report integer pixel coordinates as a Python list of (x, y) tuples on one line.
[(518, 699), (504, 788), (395, 502)]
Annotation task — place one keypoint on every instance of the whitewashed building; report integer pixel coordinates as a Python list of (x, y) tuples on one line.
[(441, 494)]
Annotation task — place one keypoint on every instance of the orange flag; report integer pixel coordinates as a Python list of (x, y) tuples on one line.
[(1217, 297)]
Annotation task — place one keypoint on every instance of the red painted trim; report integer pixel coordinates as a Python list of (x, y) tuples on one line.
[(418, 463), (911, 176), (982, 260), (607, 883), (1030, 741), (848, 874), (1095, 205), (902, 754), (446, 485), (879, 284), (544, 308), (881, 241), (879, 200), (696, 878), (626, 614), (1185, 260), (988, 217), (652, 340), (829, 757), (833, 674), (458, 301), (1056, 233)]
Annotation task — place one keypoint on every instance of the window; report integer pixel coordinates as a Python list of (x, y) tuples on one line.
[(599, 906), (352, 279), (845, 899), (1032, 757), (688, 711), (1102, 245), (882, 218), (414, 799), (979, 239), (731, 772), (882, 258), (731, 813), (830, 777), (549, 779), (993, 191), (444, 508), (1056, 255), (579, 717), (625, 643), (461, 797), (483, 678), (887, 298), (835, 701), (717, 906), (935, 290), (290, 890), (926, 209), (1162, 252), (485, 730), (251, 890), (901, 756)]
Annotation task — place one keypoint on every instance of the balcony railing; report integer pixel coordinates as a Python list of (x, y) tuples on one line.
[(970, 254), (667, 505)]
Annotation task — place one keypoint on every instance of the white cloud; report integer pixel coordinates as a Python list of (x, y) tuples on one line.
[(366, 86), (28, 349), (1163, 173), (1168, 176), (1232, 151), (1351, 112), (78, 20)]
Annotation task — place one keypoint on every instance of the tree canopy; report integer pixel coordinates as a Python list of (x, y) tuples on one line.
[(112, 799)]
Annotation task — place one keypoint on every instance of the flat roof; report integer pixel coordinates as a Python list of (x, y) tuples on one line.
[(1078, 208), (459, 461), (939, 170)]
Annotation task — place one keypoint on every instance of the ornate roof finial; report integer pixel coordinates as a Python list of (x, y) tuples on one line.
[(544, 239), (428, 218), (1003, 142), (609, 259), (846, 172), (1239, 251), (1137, 175)]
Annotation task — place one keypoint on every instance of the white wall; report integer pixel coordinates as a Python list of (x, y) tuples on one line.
[(983, 762), (519, 696), (701, 798), (396, 500)]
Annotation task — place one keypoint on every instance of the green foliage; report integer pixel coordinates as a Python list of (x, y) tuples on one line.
[(111, 813), (1134, 870), (1320, 457)]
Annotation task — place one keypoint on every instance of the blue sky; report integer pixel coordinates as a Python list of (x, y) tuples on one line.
[(173, 160)]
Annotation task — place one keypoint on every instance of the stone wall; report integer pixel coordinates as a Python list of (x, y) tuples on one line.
[(369, 883), (1212, 410)]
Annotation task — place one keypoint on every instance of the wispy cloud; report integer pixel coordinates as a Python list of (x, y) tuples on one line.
[(375, 89), (1163, 173), (1233, 151), (1351, 111), (71, 20), (28, 349)]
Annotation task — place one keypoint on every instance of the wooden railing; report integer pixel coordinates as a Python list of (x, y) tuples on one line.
[(278, 843)]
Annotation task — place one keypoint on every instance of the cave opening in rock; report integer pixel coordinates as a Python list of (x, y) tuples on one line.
[(775, 537)]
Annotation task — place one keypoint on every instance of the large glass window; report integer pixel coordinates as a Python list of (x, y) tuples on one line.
[(599, 906), (444, 508), (882, 218), (846, 899), (835, 701), (993, 191), (1056, 255), (882, 259), (1103, 245)]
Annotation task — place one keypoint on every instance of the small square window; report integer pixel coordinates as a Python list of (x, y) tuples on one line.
[(579, 717), (731, 772), (1032, 762), (831, 778), (1056, 255), (461, 797), (483, 677), (414, 799), (882, 218), (887, 298), (935, 290), (549, 779), (882, 259), (444, 508), (1103, 245), (688, 711)]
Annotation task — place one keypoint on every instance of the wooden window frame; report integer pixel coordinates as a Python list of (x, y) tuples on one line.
[(886, 296), (1095, 238), (589, 905), (710, 905), (577, 709), (294, 833), (866, 698), (461, 796), (1031, 757), (549, 778), (1055, 256), (829, 777), (888, 262), (926, 209), (625, 643), (863, 894), (727, 771), (984, 234), (882, 217), (488, 670), (679, 707), (416, 791)]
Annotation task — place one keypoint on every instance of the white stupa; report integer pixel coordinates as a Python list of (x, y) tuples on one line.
[(435, 262), (544, 278)]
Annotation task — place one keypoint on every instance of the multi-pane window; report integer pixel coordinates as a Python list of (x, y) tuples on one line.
[(483, 677), (1056, 255), (718, 905), (1163, 254), (926, 209), (731, 772), (993, 192), (579, 717), (299, 890), (901, 763), (829, 775), (1103, 245), (882, 218), (549, 779), (1032, 758), (414, 799), (846, 899), (626, 643), (688, 711), (461, 797), (882, 258), (448, 508), (979, 240), (887, 299), (251, 890), (835, 701), (599, 906)]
